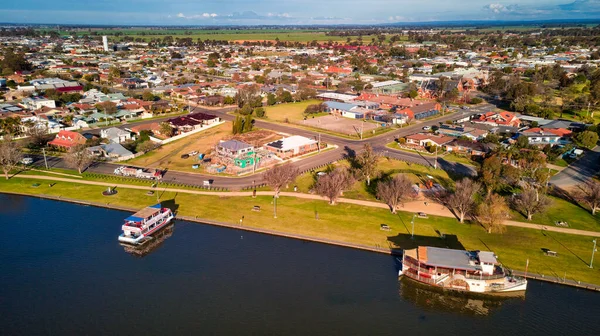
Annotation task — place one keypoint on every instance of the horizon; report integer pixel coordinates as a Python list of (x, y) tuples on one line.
[(291, 13)]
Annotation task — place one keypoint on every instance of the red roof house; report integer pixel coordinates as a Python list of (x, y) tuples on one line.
[(67, 139)]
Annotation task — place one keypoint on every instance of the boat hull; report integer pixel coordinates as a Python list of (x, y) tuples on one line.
[(142, 237)]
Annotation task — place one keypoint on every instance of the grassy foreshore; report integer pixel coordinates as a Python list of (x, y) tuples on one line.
[(350, 223)]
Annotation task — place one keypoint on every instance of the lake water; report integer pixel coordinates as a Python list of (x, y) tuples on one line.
[(62, 272)]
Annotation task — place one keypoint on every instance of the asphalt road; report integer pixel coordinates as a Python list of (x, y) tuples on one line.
[(579, 171), (345, 147)]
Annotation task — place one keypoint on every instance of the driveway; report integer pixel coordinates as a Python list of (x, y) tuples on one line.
[(579, 171)]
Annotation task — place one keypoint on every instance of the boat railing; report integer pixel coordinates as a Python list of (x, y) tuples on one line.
[(484, 277), (413, 275)]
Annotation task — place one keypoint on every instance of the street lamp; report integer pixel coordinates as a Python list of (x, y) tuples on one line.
[(412, 235), (594, 250)]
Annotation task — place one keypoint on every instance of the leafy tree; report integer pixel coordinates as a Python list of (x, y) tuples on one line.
[(394, 192), (107, 107), (259, 112), (148, 96), (333, 184), (12, 62), (271, 99), (248, 124), (246, 110), (10, 154), (145, 146), (492, 213), (491, 173), (166, 129), (587, 139)]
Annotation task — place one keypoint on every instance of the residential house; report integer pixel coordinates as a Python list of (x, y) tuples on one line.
[(428, 139), (111, 151), (543, 136), (498, 119), (234, 148), (35, 103), (466, 147), (67, 139), (115, 135), (292, 146), (192, 122), (462, 131), (422, 111)]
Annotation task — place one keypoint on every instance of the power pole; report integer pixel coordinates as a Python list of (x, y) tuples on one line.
[(594, 250), (319, 143), (436, 157), (412, 234)]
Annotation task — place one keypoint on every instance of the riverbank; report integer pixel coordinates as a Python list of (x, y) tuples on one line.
[(348, 225)]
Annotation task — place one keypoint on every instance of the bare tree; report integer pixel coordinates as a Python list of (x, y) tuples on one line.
[(530, 202), (462, 201), (589, 193), (38, 134), (395, 191), (10, 154), (367, 162), (79, 157), (333, 184), (280, 176), (492, 213)]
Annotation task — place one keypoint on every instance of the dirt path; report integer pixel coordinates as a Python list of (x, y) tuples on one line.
[(429, 208)]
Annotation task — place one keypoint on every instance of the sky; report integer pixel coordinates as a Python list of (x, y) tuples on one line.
[(283, 12)]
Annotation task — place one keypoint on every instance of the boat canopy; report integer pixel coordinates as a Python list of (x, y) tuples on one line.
[(144, 213)]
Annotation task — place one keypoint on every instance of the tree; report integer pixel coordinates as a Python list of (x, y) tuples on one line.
[(367, 162), (589, 193), (491, 173), (107, 107), (259, 112), (492, 213), (10, 154), (247, 94), (461, 201), (587, 139), (278, 177), (333, 184), (79, 157), (246, 110), (530, 202), (148, 96), (166, 129), (37, 134), (248, 124), (271, 99), (395, 191), (145, 146)]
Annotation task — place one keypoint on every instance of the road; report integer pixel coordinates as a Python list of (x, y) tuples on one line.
[(345, 147), (579, 171)]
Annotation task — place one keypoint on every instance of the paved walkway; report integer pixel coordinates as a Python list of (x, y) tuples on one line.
[(431, 208)]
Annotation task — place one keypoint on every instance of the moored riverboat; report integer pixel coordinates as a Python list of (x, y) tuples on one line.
[(142, 224), (458, 270)]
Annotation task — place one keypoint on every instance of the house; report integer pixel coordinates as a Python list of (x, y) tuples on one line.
[(351, 111), (35, 103), (115, 135), (192, 122), (422, 111), (67, 140), (462, 131), (498, 119), (467, 147), (234, 148), (543, 136), (111, 151), (427, 139), (292, 146)]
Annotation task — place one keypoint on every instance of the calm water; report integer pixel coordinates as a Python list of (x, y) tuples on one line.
[(62, 272)]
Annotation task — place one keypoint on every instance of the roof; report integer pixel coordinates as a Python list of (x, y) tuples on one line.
[(116, 149), (292, 142), (441, 257), (339, 106), (487, 257), (144, 213), (234, 145)]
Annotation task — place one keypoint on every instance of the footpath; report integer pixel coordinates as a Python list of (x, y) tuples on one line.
[(430, 208)]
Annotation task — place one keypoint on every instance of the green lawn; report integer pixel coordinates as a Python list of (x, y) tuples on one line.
[(355, 224), (293, 112), (460, 159)]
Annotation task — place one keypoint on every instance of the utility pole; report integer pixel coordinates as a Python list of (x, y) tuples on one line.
[(436, 157), (45, 161), (412, 234), (593, 250), (274, 206), (319, 143)]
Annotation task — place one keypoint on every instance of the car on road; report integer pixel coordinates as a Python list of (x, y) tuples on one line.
[(26, 160), (464, 107), (192, 153), (426, 128)]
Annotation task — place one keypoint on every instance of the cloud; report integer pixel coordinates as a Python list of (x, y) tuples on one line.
[(576, 9), (197, 16), (397, 18)]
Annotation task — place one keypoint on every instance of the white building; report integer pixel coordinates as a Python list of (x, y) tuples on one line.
[(105, 43), (35, 103)]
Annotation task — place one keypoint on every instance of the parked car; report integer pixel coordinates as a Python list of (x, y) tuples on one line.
[(26, 160), (464, 107), (192, 153), (185, 156), (426, 128)]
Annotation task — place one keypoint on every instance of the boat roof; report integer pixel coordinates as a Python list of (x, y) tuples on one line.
[(447, 258), (144, 213)]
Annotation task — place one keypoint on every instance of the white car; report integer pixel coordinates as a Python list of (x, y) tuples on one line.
[(426, 128), (26, 160)]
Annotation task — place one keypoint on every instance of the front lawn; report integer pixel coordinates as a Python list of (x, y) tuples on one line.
[(289, 112)]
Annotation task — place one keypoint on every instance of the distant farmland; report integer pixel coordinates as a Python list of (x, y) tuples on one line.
[(220, 34)]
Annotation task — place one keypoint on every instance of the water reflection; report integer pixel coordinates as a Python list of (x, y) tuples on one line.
[(452, 302), (150, 245)]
